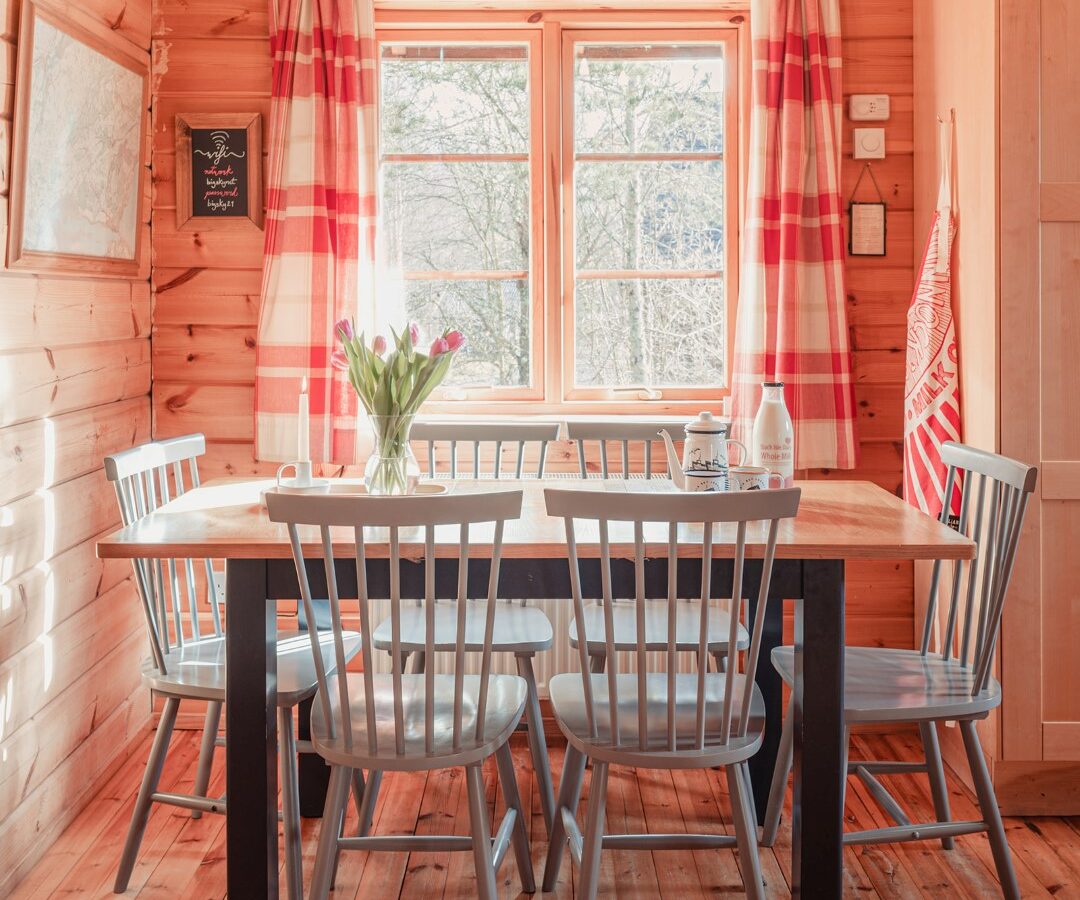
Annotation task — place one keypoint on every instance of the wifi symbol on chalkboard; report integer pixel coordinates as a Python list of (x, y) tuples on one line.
[(220, 139)]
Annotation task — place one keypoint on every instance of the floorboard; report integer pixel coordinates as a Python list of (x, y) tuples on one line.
[(183, 857)]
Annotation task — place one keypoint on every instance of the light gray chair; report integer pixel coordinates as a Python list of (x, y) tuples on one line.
[(520, 629), (625, 433), (411, 722), (953, 683), (187, 656), (516, 433), (655, 718)]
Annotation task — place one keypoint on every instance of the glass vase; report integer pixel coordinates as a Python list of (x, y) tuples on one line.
[(392, 468)]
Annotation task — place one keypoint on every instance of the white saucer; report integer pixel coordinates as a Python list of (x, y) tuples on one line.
[(315, 486)]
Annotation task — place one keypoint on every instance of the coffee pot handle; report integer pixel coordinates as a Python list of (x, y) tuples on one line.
[(745, 453)]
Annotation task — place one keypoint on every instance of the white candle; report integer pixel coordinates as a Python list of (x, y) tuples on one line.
[(303, 451)]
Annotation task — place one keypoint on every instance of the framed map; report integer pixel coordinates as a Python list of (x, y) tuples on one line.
[(77, 173)]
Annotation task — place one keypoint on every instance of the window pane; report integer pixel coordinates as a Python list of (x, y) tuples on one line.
[(649, 215), (641, 99), (650, 331), (454, 99), (493, 314), (456, 216)]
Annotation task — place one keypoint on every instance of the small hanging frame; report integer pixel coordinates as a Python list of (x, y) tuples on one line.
[(866, 221)]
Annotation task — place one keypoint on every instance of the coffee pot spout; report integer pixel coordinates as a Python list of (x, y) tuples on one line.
[(674, 466)]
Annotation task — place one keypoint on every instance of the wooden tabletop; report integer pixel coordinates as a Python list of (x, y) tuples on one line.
[(225, 519)]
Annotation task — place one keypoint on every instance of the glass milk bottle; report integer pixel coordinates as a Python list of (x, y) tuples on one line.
[(773, 445)]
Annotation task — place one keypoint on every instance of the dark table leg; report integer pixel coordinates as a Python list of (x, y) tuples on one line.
[(818, 801), (251, 731), (314, 772), (771, 685)]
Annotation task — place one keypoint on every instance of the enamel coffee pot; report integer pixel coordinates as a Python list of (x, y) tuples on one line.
[(705, 452)]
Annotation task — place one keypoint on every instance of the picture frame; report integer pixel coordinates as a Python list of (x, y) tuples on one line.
[(79, 176), (867, 229), (219, 171)]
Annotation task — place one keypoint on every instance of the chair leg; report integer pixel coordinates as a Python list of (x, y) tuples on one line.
[(984, 790), (481, 833), (143, 802), (337, 794), (206, 752), (367, 807), (341, 831), (356, 783), (538, 741), (594, 831), (742, 812), (720, 658), (419, 662), (290, 805), (778, 788), (934, 768), (508, 781), (569, 795)]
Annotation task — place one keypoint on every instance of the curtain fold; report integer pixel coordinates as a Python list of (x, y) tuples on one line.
[(319, 251), (791, 322)]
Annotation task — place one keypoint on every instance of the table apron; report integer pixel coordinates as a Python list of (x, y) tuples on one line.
[(523, 578)]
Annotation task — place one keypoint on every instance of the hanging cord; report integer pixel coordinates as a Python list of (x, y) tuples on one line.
[(944, 202), (855, 190)]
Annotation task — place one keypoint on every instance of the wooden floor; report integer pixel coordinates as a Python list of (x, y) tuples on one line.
[(185, 858)]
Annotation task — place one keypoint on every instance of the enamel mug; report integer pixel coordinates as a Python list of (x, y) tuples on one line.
[(705, 481), (753, 478)]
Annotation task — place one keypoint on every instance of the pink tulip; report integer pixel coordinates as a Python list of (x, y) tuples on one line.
[(439, 346), (414, 333), (455, 340), (378, 345), (343, 328), (339, 360)]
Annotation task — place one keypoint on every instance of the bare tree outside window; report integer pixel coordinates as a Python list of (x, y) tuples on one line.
[(646, 209), (649, 214), (454, 129)]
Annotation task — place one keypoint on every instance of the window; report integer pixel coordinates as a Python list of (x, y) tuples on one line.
[(579, 228)]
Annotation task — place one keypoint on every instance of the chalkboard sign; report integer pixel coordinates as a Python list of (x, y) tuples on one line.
[(218, 170), (219, 163)]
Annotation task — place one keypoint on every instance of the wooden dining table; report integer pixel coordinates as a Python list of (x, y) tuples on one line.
[(837, 521)]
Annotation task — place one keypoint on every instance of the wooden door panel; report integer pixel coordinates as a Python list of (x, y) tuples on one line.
[(1060, 374), (1061, 611)]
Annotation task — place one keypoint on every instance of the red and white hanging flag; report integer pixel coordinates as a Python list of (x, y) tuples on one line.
[(932, 396)]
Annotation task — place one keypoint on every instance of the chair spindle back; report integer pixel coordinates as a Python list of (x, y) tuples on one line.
[(483, 433), (145, 478), (994, 493), (624, 433), (761, 510), (317, 515)]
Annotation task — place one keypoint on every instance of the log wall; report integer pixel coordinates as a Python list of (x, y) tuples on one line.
[(74, 385)]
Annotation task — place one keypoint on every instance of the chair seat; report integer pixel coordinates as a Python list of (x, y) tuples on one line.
[(197, 670), (885, 685), (505, 704), (687, 627), (518, 629), (568, 702)]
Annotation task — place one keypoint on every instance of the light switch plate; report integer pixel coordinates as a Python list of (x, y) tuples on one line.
[(868, 143), (868, 107)]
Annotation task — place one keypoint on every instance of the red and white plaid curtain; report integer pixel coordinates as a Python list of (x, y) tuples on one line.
[(792, 323), (320, 222)]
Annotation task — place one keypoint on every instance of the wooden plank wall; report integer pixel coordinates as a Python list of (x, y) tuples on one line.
[(74, 385), (206, 284)]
